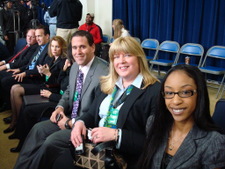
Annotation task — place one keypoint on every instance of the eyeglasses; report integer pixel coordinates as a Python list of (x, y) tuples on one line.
[(182, 94)]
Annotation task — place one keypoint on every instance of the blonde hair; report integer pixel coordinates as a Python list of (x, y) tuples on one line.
[(62, 44), (131, 46), (118, 25)]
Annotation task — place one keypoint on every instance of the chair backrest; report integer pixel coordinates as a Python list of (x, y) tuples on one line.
[(169, 46), (105, 38), (150, 44), (111, 40), (19, 45), (215, 52), (192, 49), (219, 114)]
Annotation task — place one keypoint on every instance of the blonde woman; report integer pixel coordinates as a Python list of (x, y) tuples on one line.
[(114, 117), (119, 29)]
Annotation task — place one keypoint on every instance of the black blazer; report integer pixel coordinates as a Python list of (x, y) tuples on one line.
[(23, 58), (43, 59), (63, 80), (132, 119)]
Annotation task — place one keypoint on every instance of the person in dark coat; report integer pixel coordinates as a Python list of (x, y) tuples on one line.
[(49, 72)]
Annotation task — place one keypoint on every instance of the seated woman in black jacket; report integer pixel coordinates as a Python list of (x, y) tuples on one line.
[(57, 51), (31, 114)]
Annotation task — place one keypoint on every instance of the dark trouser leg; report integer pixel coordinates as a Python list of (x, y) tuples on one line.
[(54, 146), (34, 142)]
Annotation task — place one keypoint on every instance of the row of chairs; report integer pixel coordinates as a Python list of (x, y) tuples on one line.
[(207, 64), (107, 39)]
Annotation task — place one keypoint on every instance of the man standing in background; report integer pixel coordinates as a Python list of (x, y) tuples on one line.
[(95, 30), (69, 13)]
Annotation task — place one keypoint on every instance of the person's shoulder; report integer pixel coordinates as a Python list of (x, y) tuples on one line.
[(101, 62)]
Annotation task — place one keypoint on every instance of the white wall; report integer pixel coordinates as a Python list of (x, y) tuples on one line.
[(103, 13)]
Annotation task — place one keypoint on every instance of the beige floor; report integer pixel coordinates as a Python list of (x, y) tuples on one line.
[(7, 159)]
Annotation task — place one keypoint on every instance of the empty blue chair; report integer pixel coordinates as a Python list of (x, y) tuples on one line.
[(193, 50), (160, 59), (105, 39), (20, 44), (151, 45), (217, 53), (219, 114)]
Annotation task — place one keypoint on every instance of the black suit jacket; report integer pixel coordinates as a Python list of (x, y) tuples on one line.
[(132, 119), (23, 58), (43, 59)]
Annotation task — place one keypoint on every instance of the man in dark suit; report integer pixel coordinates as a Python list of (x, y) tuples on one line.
[(21, 58), (29, 72), (53, 132)]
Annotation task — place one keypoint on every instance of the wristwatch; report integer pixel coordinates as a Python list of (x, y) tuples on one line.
[(67, 126)]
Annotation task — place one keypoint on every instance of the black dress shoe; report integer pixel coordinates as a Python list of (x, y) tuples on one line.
[(18, 148), (9, 129), (7, 120), (13, 136), (15, 149)]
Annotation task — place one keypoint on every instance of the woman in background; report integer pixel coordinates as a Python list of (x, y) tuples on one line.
[(182, 133), (119, 29)]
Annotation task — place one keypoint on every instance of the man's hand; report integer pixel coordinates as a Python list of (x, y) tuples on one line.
[(59, 110), (19, 77), (15, 71), (62, 121), (78, 130), (3, 67), (1, 63)]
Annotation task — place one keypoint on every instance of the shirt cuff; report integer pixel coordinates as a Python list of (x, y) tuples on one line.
[(7, 66), (119, 139)]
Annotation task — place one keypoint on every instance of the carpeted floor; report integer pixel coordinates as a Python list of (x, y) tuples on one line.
[(8, 159)]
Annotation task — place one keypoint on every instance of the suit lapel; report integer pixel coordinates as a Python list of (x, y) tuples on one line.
[(187, 148), (88, 79), (73, 79), (135, 93)]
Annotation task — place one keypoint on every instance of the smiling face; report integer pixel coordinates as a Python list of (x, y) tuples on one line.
[(181, 108), (126, 66), (41, 38), (56, 49), (81, 50)]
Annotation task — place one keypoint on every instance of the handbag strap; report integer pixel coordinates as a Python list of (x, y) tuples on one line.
[(102, 146)]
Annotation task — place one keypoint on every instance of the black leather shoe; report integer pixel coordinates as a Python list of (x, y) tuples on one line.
[(13, 136), (15, 149), (7, 120), (8, 130), (18, 148)]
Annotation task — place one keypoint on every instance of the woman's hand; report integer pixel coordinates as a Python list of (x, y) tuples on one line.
[(39, 68), (103, 134), (46, 70), (78, 130), (66, 65), (45, 93)]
